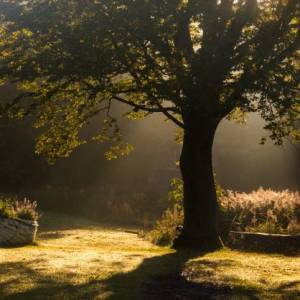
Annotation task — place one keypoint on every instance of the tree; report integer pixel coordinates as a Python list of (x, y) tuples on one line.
[(196, 62)]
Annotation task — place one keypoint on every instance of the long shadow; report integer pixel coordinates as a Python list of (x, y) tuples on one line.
[(290, 289), (148, 280), (43, 286), (158, 277), (155, 278), (161, 278)]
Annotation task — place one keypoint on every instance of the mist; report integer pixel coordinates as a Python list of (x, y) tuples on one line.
[(136, 186), (242, 163), (87, 183), (117, 180)]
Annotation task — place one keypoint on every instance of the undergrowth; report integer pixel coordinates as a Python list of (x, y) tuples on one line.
[(11, 207), (265, 211)]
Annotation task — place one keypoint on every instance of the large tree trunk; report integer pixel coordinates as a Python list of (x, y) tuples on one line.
[(200, 200)]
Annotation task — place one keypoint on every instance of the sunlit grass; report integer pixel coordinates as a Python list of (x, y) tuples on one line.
[(271, 275), (78, 259)]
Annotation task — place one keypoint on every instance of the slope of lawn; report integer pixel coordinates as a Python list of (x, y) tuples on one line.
[(78, 259)]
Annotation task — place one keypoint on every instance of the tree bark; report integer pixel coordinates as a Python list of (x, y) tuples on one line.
[(200, 199)]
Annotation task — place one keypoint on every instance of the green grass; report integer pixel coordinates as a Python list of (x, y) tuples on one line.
[(78, 259)]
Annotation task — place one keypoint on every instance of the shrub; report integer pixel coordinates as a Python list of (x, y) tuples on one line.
[(165, 230), (6, 209), (259, 211), (26, 210), (13, 208)]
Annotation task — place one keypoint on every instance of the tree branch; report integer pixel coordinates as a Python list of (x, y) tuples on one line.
[(160, 108), (171, 117)]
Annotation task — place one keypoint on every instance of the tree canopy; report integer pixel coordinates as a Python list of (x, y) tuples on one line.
[(71, 59)]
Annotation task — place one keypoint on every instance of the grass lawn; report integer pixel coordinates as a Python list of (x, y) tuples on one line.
[(78, 259)]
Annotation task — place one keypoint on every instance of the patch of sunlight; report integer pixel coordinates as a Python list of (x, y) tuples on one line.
[(77, 259), (264, 272)]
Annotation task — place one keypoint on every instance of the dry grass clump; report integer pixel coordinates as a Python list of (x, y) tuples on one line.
[(22, 209), (265, 211), (261, 211)]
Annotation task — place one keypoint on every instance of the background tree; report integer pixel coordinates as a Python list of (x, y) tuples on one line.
[(194, 61)]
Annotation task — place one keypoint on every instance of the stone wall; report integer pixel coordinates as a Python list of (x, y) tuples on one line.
[(264, 241), (17, 232)]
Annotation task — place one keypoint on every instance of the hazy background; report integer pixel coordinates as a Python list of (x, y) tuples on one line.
[(136, 187)]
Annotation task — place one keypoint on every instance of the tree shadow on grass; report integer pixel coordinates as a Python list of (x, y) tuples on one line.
[(25, 282), (290, 290), (158, 277), (161, 278)]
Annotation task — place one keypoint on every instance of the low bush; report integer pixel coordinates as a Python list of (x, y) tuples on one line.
[(265, 211), (165, 230), (26, 210), (6, 208), (261, 211), (13, 208)]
